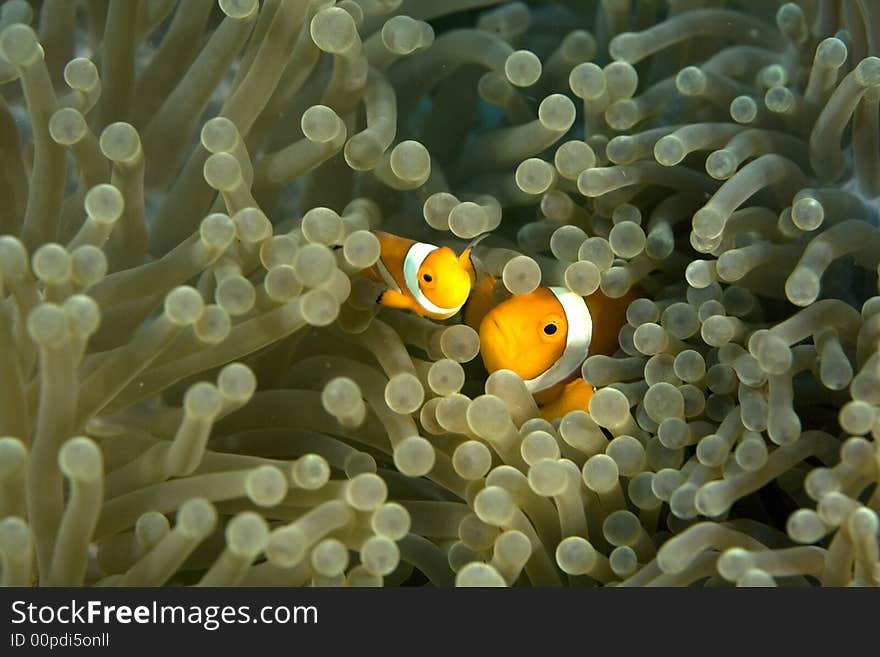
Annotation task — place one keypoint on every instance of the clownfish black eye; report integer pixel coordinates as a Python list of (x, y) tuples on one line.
[(550, 329), (427, 278)]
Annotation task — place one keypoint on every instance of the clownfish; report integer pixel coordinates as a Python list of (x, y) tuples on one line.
[(545, 337), (428, 280)]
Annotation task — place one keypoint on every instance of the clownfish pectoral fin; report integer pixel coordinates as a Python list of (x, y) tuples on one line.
[(575, 397), (393, 299)]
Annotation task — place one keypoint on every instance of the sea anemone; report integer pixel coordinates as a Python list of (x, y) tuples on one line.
[(199, 388)]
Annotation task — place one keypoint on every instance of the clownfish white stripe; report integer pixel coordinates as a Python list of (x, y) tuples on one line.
[(577, 342), (415, 256)]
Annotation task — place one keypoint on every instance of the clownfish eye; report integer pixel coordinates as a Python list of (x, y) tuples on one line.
[(427, 278), (550, 329)]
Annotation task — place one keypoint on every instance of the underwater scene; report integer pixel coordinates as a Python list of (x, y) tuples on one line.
[(439, 293)]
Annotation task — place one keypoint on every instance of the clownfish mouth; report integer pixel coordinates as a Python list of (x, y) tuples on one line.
[(499, 335), (495, 345)]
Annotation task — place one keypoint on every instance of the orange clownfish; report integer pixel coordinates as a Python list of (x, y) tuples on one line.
[(545, 337), (428, 280)]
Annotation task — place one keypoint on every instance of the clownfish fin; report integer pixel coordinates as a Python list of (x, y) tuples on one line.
[(575, 396), (393, 299), (477, 240), (471, 262), (466, 262), (479, 302)]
